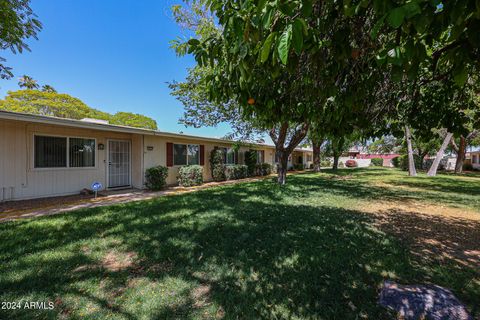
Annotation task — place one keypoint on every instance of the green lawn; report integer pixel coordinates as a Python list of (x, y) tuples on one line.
[(246, 251)]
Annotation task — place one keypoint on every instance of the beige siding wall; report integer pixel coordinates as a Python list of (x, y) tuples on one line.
[(157, 156), (20, 180)]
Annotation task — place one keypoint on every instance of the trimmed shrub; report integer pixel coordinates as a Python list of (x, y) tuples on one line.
[(326, 163), (377, 162), (237, 171), (351, 163), (251, 162), (156, 177), (396, 162), (341, 165), (467, 166), (190, 176), (217, 166), (263, 169), (298, 167)]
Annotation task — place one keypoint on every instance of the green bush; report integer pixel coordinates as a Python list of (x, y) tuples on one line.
[(156, 177), (237, 171), (402, 162), (396, 162), (298, 167), (467, 166), (377, 162), (251, 162), (326, 163), (263, 169), (190, 176), (341, 165), (217, 166)]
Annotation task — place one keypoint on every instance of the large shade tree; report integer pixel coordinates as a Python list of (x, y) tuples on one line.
[(65, 106), (313, 51), (282, 63)]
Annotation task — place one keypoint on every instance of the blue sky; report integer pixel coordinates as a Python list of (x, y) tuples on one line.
[(113, 55)]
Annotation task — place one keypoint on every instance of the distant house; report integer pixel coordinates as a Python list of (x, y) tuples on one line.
[(46, 156), (474, 157), (364, 158)]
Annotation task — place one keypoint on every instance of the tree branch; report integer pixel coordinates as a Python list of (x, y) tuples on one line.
[(454, 145)]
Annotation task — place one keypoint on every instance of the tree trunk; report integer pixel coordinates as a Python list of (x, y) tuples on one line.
[(411, 161), (316, 155), (462, 149), (337, 146), (336, 156), (282, 166), (284, 152), (432, 172)]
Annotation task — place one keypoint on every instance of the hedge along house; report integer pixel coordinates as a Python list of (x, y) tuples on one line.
[(44, 156)]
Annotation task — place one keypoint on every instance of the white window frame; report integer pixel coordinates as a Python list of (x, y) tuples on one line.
[(67, 167), (186, 145)]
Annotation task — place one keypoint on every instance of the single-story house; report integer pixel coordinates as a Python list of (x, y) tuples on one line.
[(43, 156)]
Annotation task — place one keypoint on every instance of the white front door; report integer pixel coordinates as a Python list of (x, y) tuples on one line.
[(118, 163)]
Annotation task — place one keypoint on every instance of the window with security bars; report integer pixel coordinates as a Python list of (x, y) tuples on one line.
[(50, 152), (53, 152)]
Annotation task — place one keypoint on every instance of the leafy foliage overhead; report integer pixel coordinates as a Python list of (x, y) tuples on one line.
[(17, 23)]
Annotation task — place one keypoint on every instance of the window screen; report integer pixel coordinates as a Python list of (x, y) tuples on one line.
[(50, 152), (193, 154), (179, 154), (82, 152)]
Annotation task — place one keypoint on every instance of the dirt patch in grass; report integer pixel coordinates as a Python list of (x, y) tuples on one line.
[(341, 177), (42, 203), (412, 206), (200, 296), (115, 261), (434, 233)]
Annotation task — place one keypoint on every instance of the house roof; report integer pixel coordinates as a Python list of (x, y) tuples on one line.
[(9, 115)]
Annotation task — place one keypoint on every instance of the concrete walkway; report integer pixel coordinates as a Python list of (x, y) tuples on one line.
[(51, 206)]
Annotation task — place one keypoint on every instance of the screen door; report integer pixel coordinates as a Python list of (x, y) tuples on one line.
[(118, 163)]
